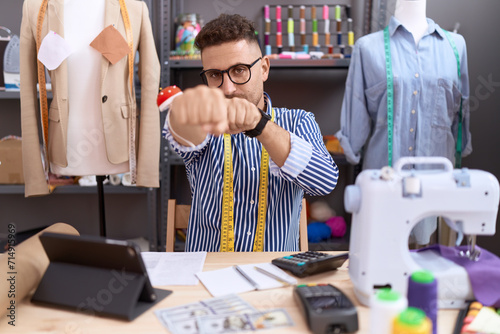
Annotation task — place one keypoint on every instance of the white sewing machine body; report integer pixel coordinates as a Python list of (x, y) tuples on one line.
[(386, 204)]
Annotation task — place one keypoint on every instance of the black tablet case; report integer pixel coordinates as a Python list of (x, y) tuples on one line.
[(96, 276)]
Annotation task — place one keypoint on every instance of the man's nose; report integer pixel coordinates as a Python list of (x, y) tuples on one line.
[(228, 87)]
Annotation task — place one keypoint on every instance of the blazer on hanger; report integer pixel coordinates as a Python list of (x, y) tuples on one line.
[(117, 101)]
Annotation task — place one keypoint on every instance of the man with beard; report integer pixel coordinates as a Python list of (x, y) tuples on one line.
[(251, 202)]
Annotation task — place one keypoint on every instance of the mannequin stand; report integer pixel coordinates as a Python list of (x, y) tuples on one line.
[(100, 191)]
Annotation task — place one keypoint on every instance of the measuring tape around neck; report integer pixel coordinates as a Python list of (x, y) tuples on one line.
[(390, 98), (227, 228), (43, 90)]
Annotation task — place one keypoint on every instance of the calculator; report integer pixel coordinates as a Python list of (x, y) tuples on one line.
[(326, 308), (309, 263)]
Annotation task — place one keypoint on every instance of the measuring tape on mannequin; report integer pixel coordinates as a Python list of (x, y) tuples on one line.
[(227, 228), (44, 109), (390, 98), (43, 90), (132, 122)]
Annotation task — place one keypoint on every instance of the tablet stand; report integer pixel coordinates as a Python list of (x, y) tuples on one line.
[(96, 291), (100, 193)]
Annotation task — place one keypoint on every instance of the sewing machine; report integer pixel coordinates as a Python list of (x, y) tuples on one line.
[(387, 203)]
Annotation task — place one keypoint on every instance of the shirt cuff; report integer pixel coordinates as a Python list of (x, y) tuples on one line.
[(297, 160), (176, 145), (351, 157)]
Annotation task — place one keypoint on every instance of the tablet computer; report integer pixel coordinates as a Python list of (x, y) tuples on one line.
[(96, 275)]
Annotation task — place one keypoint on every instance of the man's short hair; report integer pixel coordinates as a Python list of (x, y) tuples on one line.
[(226, 28)]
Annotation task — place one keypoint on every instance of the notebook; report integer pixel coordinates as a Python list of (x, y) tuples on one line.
[(244, 278)]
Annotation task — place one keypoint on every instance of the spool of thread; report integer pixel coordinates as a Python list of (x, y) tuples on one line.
[(268, 50), (385, 306), (350, 38), (422, 293), (266, 12), (337, 12), (412, 321)]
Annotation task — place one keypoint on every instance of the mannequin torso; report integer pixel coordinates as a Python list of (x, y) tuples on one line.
[(86, 152), (412, 14)]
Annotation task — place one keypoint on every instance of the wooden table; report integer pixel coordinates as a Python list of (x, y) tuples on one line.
[(31, 318)]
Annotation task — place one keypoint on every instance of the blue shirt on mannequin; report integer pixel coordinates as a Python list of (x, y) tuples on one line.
[(427, 93)]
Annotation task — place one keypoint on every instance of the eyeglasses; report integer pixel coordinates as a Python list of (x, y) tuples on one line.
[(239, 74)]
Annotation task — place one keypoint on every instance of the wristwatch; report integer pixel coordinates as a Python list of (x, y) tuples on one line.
[(260, 126)]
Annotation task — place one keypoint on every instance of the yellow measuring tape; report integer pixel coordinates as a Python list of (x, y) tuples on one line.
[(132, 122), (43, 90), (44, 109), (227, 228)]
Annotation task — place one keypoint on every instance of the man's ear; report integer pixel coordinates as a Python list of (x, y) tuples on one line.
[(266, 65)]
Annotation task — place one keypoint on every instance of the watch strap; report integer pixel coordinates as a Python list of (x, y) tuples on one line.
[(259, 127)]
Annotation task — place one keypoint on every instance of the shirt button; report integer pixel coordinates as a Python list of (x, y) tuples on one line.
[(410, 148), (253, 169), (249, 233), (411, 130), (415, 92), (413, 111), (252, 202), (104, 98), (416, 75)]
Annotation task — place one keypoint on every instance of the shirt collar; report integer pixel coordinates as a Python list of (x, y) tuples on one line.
[(267, 101), (394, 24)]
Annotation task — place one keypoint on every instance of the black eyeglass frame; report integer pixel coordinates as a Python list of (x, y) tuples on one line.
[(249, 66)]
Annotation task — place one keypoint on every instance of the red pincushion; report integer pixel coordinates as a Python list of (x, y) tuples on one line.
[(166, 96)]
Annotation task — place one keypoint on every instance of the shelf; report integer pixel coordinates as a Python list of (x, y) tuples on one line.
[(8, 189), (9, 95), (275, 63), (16, 95)]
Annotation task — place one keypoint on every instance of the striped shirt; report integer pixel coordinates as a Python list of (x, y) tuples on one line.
[(309, 168)]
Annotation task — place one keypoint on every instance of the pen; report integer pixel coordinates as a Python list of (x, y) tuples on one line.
[(279, 279), (251, 281)]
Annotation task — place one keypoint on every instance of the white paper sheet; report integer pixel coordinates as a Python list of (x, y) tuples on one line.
[(167, 268), (53, 50)]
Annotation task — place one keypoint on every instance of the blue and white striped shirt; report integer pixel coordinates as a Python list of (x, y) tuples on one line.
[(309, 167)]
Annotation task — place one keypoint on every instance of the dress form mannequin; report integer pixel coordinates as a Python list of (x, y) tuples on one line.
[(86, 150), (428, 95), (93, 108), (412, 14)]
